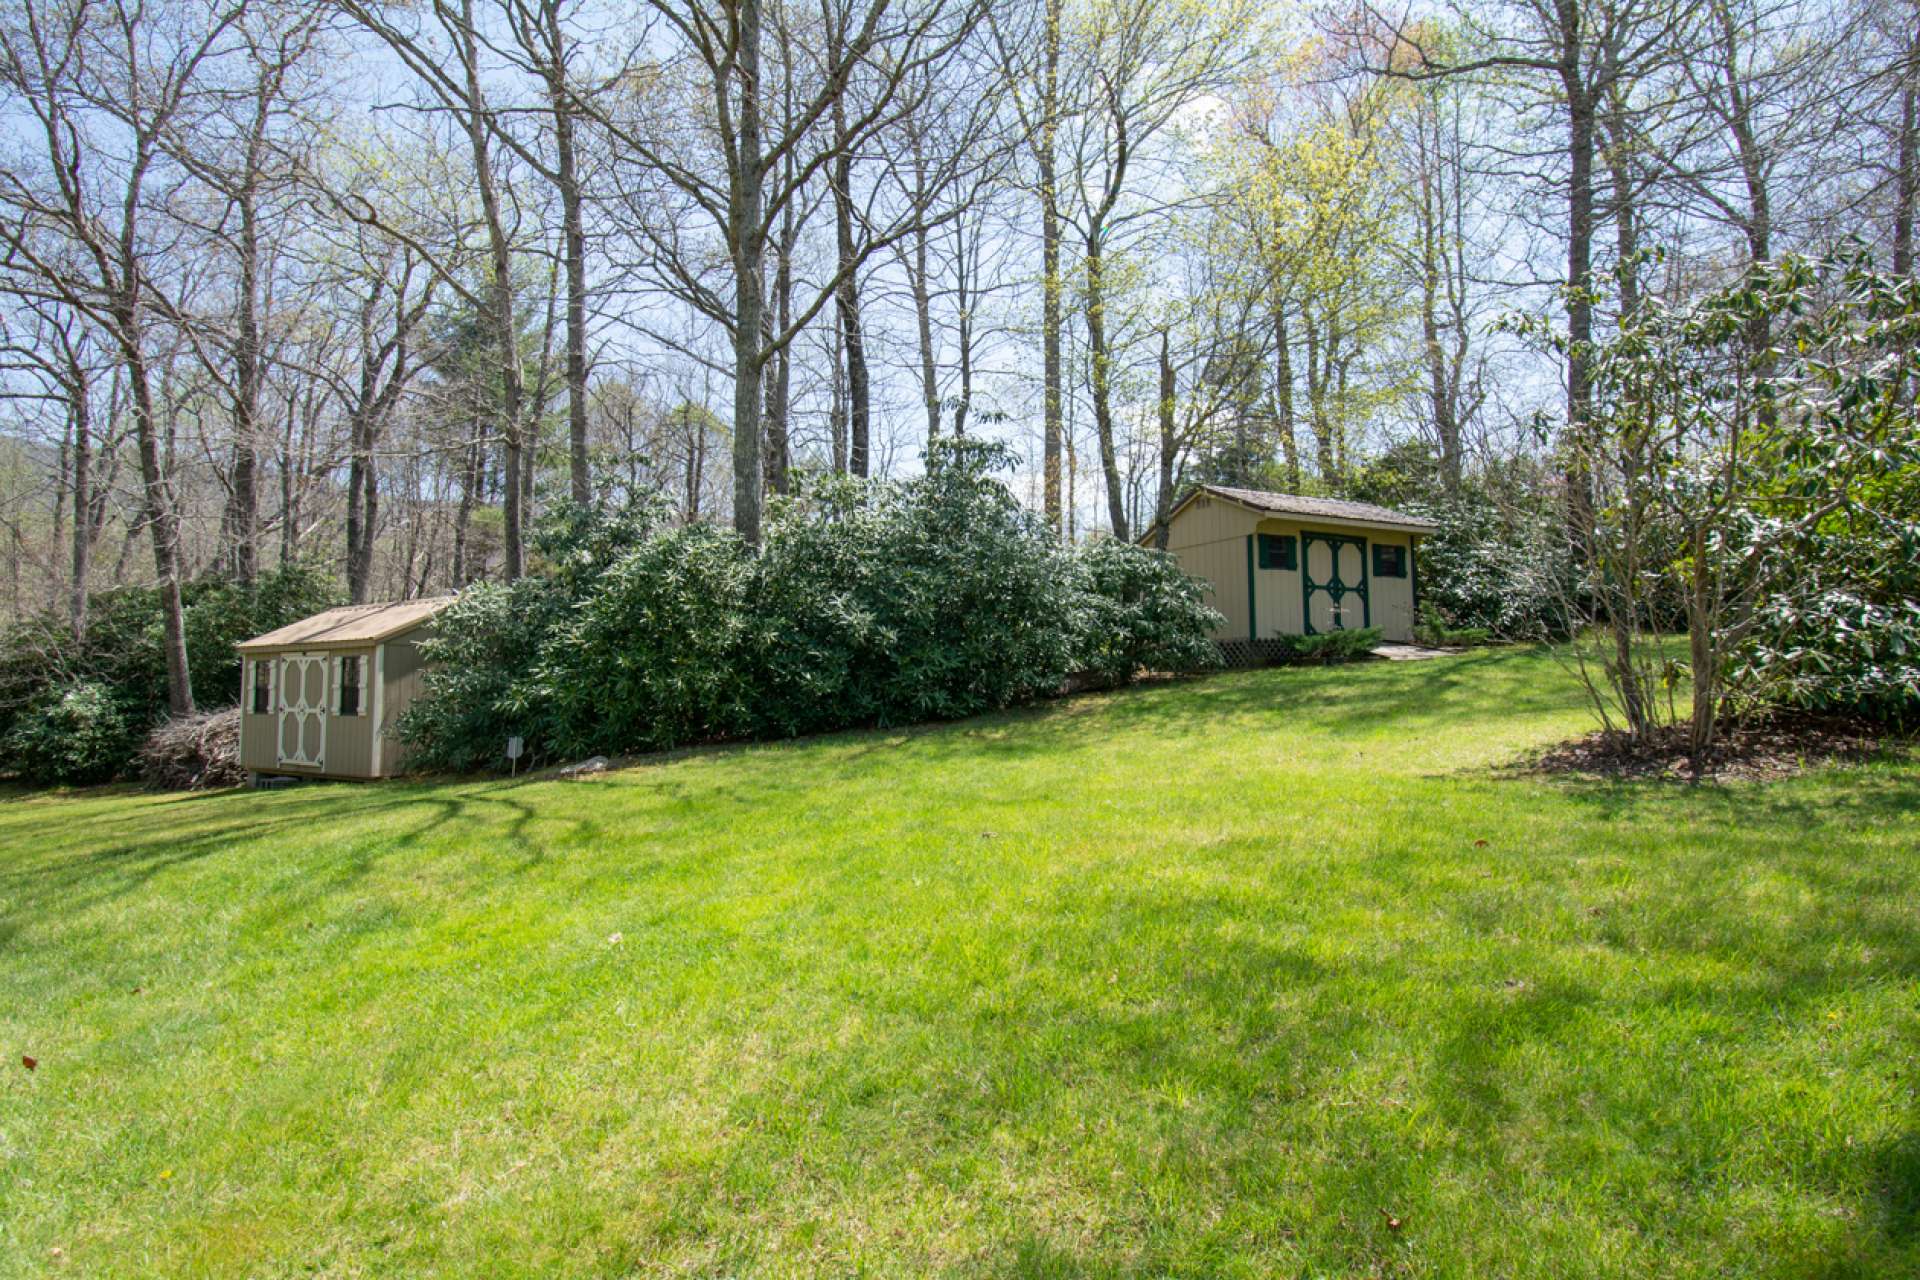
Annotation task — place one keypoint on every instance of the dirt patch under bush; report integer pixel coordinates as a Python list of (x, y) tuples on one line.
[(1776, 747)]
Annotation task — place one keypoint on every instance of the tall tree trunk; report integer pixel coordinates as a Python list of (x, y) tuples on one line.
[(469, 493), (1623, 205), (1580, 149), (288, 516), (770, 398), (837, 407), (163, 524), (82, 548), (502, 318), (917, 280), (574, 233), (1341, 458), (1759, 218), (242, 517), (696, 465), (1102, 398), (780, 384), (1283, 395), (1446, 423), (360, 482), (779, 381), (847, 297), (363, 512), (1169, 443), (923, 315), (1050, 301), (1907, 178), (358, 535), (747, 244), (1319, 362), (964, 304)]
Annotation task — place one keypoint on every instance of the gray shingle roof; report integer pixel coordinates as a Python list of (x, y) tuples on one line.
[(1294, 504)]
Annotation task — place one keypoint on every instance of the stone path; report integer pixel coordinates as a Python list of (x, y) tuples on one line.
[(1411, 652)]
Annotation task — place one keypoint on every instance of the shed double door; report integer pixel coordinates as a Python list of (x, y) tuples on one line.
[(302, 710), (1333, 578)]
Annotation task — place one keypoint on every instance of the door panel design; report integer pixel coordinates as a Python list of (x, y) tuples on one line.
[(303, 710), (1333, 581)]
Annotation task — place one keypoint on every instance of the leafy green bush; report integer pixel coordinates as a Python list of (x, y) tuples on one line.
[(481, 687), (1848, 639), (1140, 612), (1495, 567), (650, 657), (73, 735), (954, 600), (489, 680), (222, 613), (819, 621), (869, 603), (885, 603), (1433, 629), (122, 649), (1336, 646)]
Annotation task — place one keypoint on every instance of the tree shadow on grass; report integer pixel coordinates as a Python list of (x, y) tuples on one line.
[(113, 857), (1032, 1256), (1258, 1038), (1884, 1240), (1871, 793)]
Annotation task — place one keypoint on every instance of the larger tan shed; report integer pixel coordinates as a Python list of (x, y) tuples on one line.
[(1281, 564), (320, 696)]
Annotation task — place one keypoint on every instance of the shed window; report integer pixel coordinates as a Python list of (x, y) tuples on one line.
[(262, 686), (1277, 551), (350, 686), (1389, 561)]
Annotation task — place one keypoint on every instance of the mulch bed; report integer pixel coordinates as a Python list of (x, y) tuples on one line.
[(1777, 747)]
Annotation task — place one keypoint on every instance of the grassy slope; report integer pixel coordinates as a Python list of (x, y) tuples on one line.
[(1198, 980)]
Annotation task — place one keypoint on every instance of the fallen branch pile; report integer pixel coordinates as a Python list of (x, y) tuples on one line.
[(195, 753)]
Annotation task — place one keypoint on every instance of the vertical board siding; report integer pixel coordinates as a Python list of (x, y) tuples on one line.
[(404, 673), (350, 738), (1279, 588), (1392, 598), (1209, 538)]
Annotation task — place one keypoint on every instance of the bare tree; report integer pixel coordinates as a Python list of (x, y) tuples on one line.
[(446, 60), (1568, 57), (733, 172), (104, 86), (1140, 65)]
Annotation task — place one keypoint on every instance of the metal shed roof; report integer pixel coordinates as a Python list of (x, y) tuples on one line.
[(1294, 504), (350, 624)]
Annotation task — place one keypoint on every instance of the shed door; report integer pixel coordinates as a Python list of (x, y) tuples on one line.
[(303, 710), (1333, 576)]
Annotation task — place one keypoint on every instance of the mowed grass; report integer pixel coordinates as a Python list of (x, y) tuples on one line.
[(1263, 975)]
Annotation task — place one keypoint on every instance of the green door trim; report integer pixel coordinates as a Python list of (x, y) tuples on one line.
[(1253, 626), (1413, 571), (1334, 586)]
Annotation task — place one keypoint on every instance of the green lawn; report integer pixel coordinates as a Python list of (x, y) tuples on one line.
[(1265, 975)]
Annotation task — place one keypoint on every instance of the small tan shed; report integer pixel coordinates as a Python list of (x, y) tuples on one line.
[(1284, 564), (320, 697)]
